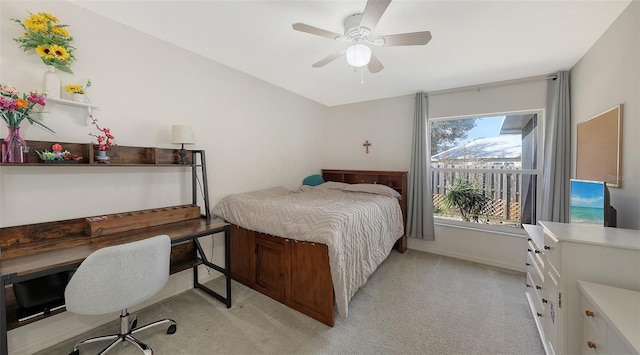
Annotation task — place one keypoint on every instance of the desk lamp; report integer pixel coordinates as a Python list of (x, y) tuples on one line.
[(182, 134)]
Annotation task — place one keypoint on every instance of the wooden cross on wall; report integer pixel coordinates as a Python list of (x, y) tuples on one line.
[(366, 146)]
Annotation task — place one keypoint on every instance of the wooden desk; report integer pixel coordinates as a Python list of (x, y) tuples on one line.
[(68, 245)]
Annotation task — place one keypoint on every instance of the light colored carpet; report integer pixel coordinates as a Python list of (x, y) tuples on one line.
[(415, 303)]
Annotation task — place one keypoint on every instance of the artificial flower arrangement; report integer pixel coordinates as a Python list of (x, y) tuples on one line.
[(105, 138), (78, 88), (14, 108), (58, 155), (48, 38)]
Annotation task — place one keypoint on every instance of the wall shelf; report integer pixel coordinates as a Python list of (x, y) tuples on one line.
[(120, 155), (87, 106)]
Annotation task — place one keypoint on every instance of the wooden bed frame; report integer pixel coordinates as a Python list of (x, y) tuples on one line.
[(297, 273)]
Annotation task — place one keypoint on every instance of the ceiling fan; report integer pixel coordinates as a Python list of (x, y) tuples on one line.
[(357, 32)]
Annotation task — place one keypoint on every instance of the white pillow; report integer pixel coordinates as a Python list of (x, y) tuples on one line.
[(377, 189), (331, 185)]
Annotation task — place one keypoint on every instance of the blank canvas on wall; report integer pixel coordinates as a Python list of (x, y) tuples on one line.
[(598, 148)]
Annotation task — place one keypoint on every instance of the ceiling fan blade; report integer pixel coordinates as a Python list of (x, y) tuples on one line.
[(315, 31), (407, 39), (372, 13), (328, 59), (374, 65)]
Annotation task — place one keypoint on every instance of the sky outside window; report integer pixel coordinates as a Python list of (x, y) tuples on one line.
[(485, 127)]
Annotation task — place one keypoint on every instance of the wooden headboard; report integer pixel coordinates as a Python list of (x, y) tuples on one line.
[(397, 180)]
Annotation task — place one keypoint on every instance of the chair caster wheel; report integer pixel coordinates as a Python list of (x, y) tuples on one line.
[(75, 352), (172, 329)]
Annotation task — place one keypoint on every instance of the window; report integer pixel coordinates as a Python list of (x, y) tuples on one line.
[(484, 169)]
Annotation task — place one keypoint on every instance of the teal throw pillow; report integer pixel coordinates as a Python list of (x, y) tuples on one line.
[(313, 180)]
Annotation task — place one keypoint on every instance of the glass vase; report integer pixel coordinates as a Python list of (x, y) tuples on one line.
[(14, 148)]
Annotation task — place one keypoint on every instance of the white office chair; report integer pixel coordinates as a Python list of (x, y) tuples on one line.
[(115, 278)]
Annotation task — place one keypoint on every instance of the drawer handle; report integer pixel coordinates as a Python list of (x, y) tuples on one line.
[(537, 251), (546, 247), (529, 250), (528, 285), (538, 287), (589, 313), (539, 314), (528, 264), (544, 300), (591, 345)]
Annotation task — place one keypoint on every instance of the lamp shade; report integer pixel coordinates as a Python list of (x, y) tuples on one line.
[(182, 134), (358, 55)]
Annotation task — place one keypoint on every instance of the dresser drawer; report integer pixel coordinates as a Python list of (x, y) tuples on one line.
[(536, 255), (535, 290), (594, 329), (535, 270), (594, 340), (592, 316), (533, 279), (551, 253), (615, 345)]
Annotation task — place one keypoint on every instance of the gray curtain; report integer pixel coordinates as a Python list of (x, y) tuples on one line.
[(420, 198), (557, 151)]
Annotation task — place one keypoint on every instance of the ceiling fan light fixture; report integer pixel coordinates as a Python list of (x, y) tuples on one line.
[(358, 55)]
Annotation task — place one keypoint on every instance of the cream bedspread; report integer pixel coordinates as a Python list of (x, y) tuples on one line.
[(358, 228)]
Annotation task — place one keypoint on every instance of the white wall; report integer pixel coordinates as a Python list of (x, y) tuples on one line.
[(255, 134), (522, 94), (386, 123), (608, 75)]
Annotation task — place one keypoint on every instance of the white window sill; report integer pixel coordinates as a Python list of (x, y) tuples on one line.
[(510, 231)]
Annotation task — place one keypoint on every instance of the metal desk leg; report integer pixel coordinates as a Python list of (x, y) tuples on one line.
[(226, 271), (227, 261), (4, 347)]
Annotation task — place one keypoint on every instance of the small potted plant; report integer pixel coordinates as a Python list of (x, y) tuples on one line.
[(104, 141), (78, 91)]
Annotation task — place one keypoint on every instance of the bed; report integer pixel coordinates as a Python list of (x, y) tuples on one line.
[(313, 248)]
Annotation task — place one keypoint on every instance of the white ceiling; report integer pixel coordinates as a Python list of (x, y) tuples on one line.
[(474, 42)]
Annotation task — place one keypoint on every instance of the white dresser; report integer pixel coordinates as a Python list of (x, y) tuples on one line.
[(610, 319), (560, 254)]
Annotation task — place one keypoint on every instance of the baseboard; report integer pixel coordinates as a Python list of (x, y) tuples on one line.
[(468, 258), (50, 331)]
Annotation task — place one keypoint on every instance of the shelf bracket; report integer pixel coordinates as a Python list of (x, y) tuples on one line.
[(87, 106)]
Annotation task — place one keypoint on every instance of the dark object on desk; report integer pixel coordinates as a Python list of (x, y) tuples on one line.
[(41, 295)]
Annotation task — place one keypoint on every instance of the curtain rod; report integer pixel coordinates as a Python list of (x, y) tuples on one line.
[(494, 84)]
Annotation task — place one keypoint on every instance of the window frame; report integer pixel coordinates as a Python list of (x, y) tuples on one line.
[(538, 171)]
